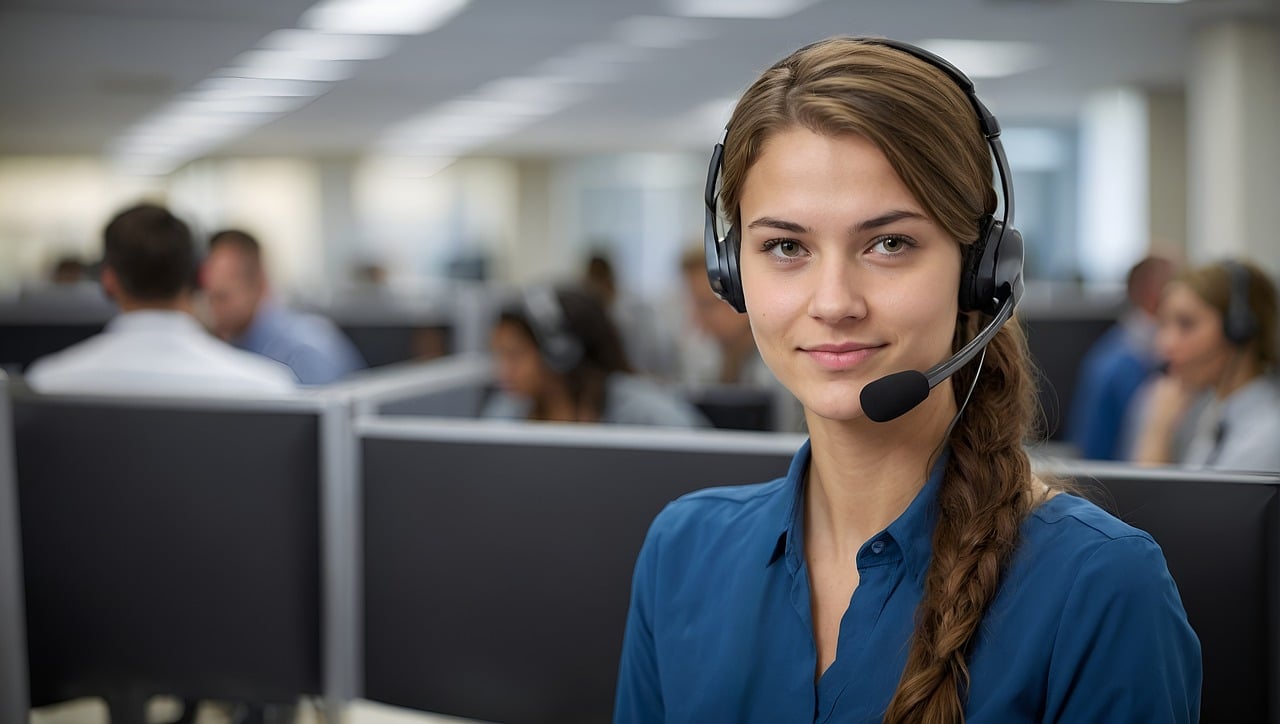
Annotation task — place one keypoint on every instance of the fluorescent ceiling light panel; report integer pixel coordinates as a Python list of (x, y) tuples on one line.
[(987, 58), (767, 9), (283, 65), (316, 45), (238, 87), (381, 17)]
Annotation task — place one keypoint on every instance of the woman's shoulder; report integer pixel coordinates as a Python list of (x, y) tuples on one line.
[(1069, 533), (721, 510)]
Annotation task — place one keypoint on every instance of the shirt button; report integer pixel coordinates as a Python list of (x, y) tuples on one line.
[(877, 547)]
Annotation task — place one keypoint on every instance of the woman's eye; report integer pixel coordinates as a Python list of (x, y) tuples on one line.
[(786, 248), (893, 245)]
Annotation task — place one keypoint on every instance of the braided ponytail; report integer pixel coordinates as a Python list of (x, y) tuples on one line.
[(984, 498)]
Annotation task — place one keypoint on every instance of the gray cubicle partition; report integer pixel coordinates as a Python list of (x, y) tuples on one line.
[(13, 646), (187, 547), (498, 556)]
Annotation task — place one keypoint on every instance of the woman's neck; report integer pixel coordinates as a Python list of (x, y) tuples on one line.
[(863, 475)]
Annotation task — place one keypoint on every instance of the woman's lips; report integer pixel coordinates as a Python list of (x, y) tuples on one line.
[(840, 356)]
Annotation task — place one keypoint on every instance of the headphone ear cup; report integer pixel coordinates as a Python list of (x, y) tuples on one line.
[(731, 270), (1239, 325), (978, 277)]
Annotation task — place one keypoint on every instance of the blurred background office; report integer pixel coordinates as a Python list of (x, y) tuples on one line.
[(407, 164)]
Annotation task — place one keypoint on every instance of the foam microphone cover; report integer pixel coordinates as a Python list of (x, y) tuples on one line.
[(894, 395)]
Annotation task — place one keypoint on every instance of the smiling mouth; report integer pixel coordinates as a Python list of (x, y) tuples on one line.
[(840, 358)]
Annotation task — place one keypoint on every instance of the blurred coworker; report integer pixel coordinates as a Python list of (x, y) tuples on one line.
[(243, 313), (1219, 404), (154, 346), (649, 344), (1117, 365), (559, 357), (732, 357)]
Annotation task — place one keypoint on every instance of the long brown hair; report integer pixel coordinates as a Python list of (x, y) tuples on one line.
[(927, 128)]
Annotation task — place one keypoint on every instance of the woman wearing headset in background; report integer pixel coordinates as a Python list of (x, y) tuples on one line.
[(560, 358), (1218, 406), (912, 570)]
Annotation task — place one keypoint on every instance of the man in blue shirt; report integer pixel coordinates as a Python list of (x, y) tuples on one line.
[(1117, 365), (243, 312)]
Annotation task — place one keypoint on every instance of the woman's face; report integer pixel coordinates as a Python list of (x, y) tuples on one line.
[(520, 367), (845, 277), (1190, 337)]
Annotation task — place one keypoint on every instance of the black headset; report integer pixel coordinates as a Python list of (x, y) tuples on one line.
[(1239, 324), (560, 348), (993, 263), (991, 274)]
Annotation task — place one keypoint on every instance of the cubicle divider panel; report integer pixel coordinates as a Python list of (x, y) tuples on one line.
[(13, 660), (170, 548), (498, 557), (1220, 534)]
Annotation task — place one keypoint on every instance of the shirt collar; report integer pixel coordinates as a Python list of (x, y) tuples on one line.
[(153, 319), (912, 531)]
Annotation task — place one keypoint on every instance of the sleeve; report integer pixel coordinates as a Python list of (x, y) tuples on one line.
[(1124, 650), (639, 695)]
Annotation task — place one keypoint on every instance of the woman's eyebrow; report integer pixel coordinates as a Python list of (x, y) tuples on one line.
[(886, 219), (780, 224)]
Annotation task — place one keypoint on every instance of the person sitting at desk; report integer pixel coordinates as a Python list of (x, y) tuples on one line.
[(155, 346), (244, 314), (1117, 365), (1218, 406), (560, 358)]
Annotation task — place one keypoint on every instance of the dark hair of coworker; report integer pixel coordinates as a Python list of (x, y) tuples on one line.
[(151, 252), (603, 353), (1212, 283), (927, 128), (243, 242)]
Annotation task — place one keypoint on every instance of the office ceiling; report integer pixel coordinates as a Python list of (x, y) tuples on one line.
[(76, 74)]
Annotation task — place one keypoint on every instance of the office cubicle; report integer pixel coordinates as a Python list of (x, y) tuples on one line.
[(184, 547), (497, 556)]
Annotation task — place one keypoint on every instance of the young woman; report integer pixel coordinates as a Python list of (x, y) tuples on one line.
[(911, 570), (1219, 404), (560, 358)]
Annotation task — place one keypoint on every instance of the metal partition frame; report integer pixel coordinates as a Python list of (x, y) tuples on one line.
[(368, 391), (13, 645)]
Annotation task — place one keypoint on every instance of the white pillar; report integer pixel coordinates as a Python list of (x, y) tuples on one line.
[(1114, 183), (1233, 103)]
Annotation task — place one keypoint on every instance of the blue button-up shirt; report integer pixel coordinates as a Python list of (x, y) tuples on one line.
[(1087, 625), (310, 345)]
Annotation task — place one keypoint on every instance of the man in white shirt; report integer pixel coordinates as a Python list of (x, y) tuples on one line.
[(155, 346)]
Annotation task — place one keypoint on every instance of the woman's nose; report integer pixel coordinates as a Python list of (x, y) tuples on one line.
[(836, 294)]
